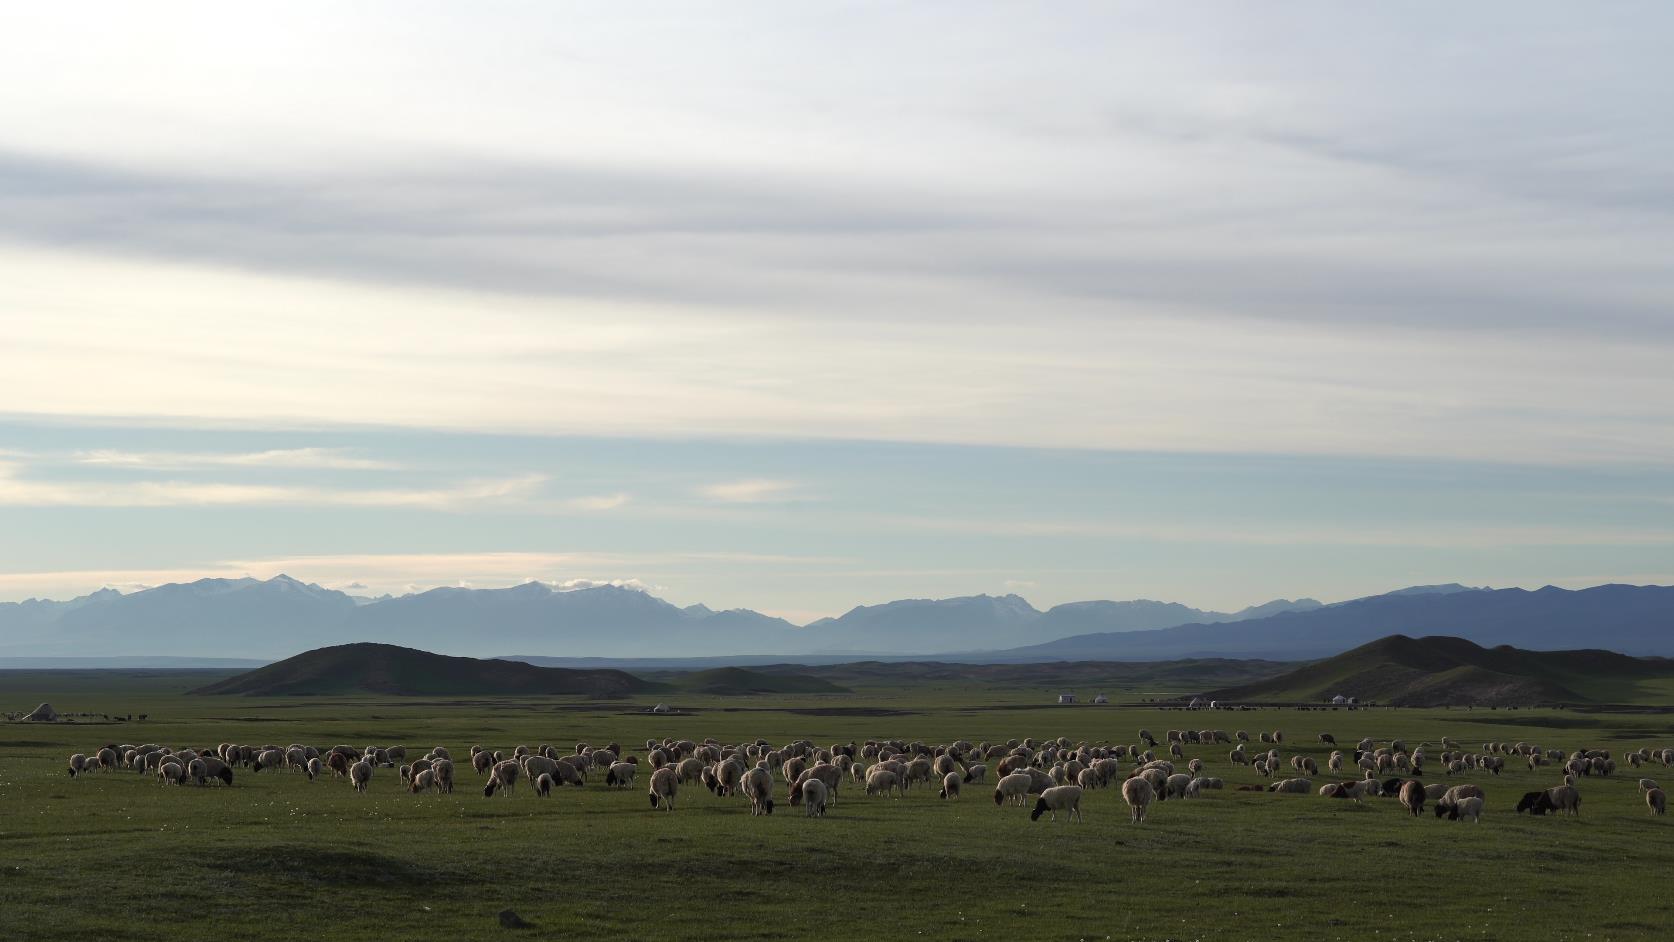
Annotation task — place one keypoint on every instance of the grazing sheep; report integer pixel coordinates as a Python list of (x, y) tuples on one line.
[(1657, 801), (314, 768), (482, 760), (813, 797), (502, 778), (1013, 787), (543, 785), (1646, 784), (1139, 794), (1328, 739), (360, 775), (1535, 803), (442, 770), (1565, 798), (621, 773), (1175, 786), (758, 787), (171, 773), (950, 783), (423, 781), (339, 764), (1065, 798), (78, 764), (976, 774), (1412, 797), (664, 784), (884, 782), (1465, 808), (1292, 786)]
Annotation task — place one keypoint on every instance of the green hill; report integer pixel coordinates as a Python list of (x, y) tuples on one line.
[(1440, 671), (396, 671), (734, 681)]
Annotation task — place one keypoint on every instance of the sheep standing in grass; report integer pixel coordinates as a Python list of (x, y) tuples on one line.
[(621, 774), (1646, 784), (1013, 788), (360, 775), (950, 784), (314, 768), (423, 781), (664, 784), (171, 773), (1065, 798), (757, 786), (78, 764), (502, 778), (813, 794), (886, 783), (1412, 797), (543, 785), (1139, 794), (1657, 801)]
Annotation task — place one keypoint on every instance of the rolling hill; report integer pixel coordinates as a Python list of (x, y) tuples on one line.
[(1444, 671), (367, 668)]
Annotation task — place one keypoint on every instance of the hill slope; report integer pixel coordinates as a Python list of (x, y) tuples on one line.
[(1441, 671), (1631, 619), (395, 671)]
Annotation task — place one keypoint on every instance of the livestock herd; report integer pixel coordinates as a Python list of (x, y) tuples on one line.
[(1056, 773)]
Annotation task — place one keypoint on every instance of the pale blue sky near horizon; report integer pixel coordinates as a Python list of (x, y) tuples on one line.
[(803, 307)]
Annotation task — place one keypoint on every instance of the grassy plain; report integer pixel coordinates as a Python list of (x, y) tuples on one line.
[(117, 856)]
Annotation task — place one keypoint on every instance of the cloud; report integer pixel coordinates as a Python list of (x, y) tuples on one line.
[(19, 491), (336, 459), (597, 502), (570, 585), (750, 491)]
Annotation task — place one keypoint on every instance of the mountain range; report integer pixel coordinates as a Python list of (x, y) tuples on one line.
[(273, 618)]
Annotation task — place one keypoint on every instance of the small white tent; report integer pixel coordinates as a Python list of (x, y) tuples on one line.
[(43, 714)]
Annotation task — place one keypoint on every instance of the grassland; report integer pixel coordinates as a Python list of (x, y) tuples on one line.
[(117, 856)]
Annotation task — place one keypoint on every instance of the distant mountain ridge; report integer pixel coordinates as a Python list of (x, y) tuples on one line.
[(252, 618), (1637, 620), (269, 618)]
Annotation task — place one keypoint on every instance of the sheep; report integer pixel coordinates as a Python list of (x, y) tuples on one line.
[(813, 797), (1464, 808), (1060, 798), (502, 778), (338, 763), (950, 784), (1328, 739), (442, 771), (481, 760), (1565, 798), (543, 785), (314, 768), (423, 781), (1646, 784), (757, 786), (269, 759), (1657, 801), (885, 782), (360, 774), (171, 773), (1292, 786), (1089, 779), (1013, 787), (78, 764), (1412, 797), (1175, 785), (664, 784), (976, 774), (621, 773), (1138, 793), (1535, 803)]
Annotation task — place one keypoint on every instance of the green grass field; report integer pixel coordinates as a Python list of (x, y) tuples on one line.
[(115, 855)]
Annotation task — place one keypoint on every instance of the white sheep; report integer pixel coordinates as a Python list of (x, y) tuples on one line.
[(757, 786), (1138, 793), (1013, 788), (813, 797), (664, 784), (1065, 798), (360, 774), (883, 782), (1657, 801), (951, 781)]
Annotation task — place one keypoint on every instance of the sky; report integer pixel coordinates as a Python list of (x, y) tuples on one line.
[(797, 307)]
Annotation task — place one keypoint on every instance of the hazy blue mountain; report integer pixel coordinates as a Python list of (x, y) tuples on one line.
[(1636, 620), (278, 616), (985, 622)]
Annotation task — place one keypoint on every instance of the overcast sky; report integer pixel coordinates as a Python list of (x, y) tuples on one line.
[(797, 306)]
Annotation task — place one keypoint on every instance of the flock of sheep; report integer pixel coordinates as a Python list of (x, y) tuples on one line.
[(1056, 773)]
